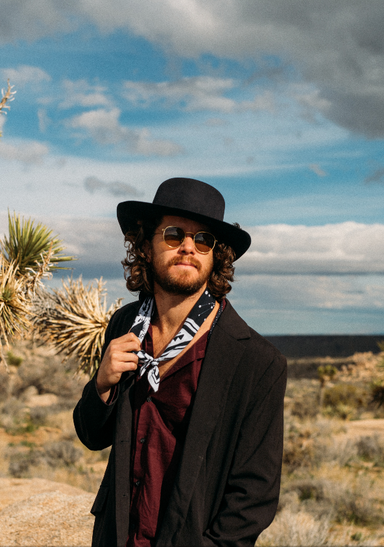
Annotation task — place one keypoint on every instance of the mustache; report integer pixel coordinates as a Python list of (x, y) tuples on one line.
[(177, 260)]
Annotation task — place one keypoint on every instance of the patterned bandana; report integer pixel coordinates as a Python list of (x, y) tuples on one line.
[(195, 319)]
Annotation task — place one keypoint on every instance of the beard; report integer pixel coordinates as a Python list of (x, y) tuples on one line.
[(180, 284)]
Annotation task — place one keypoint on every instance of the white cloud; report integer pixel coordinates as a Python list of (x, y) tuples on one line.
[(104, 127), (200, 93), (27, 152), (310, 292), (116, 188), (336, 46), (80, 93), (195, 94), (346, 248), (296, 252), (24, 75)]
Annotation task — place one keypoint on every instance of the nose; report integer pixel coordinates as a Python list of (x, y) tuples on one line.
[(188, 245)]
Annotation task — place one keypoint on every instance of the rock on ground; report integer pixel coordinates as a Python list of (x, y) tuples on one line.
[(42, 513)]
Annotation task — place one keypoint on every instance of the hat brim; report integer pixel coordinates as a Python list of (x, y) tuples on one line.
[(129, 213)]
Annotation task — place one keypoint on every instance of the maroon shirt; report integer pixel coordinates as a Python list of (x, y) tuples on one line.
[(160, 424)]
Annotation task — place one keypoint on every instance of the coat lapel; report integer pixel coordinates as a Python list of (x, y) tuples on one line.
[(223, 354)]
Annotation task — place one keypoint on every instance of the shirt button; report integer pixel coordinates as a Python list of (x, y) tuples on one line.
[(143, 440), (137, 483)]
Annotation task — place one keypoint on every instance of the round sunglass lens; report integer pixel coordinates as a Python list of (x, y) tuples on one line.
[(173, 236), (204, 242)]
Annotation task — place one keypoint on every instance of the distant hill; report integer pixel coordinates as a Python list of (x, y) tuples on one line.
[(325, 345)]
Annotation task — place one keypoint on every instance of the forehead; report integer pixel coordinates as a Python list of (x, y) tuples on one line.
[(186, 224)]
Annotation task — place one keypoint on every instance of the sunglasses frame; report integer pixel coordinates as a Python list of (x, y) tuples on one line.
[(193, 235)]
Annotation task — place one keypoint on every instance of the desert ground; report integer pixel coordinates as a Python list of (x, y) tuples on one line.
[(332, 489)]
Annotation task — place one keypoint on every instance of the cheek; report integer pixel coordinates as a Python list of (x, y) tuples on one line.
[(209, 262)]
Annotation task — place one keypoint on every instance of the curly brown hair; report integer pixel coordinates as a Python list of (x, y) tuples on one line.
[(138, 272)]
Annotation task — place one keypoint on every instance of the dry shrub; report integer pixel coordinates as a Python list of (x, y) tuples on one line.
[(21, 461), (371, 448), (15, 417), (337, 451), (306, 443), (325, 499), (296, 529), (344, 400), (24, 457), (356, 507), (305, 407), (47, 373), (309, 489), (298, 446), (62, 453)]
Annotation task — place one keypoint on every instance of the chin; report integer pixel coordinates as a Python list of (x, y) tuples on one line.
[(181, 286)]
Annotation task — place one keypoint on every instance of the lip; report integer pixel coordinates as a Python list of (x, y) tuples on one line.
[(185, 265)]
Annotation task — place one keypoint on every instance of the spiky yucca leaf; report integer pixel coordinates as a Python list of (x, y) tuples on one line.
[(28, 244), (74, 320), (14, 305)]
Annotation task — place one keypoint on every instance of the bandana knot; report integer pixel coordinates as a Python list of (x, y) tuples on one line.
[(193, 322)]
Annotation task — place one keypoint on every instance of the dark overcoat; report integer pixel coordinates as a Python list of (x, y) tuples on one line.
[(227, 486)]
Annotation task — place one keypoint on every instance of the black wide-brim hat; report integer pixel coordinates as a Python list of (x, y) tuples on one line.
[(187, 198)]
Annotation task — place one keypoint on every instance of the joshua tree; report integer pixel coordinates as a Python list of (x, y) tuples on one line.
[(73, 319), (27, 256), (30, 244), (325, 374)]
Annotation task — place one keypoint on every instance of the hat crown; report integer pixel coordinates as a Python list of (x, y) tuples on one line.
[(190, 195), (189, 198)]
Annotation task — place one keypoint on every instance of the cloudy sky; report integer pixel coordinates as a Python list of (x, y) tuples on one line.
[(280, 105)]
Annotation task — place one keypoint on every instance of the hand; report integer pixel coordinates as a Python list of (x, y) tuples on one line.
[(117, 359)]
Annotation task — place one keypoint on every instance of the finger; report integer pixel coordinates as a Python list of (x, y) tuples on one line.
[(129, 336), (125, 345)]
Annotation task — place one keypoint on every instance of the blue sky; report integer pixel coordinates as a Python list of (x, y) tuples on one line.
[(279, 105)]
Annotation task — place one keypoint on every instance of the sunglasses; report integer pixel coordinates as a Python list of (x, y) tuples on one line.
[(174, 237)]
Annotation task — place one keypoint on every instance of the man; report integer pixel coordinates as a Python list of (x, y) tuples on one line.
[(189, 396)]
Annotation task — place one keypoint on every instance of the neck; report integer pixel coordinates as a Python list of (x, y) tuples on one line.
[(172, 309)]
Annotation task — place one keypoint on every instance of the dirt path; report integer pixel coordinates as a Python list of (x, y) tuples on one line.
[(365, 427)]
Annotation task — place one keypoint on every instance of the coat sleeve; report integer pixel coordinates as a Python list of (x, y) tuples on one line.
[(93, 418), (252, 489)]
